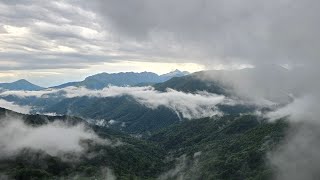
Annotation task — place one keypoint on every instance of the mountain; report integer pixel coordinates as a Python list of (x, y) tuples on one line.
[(102, 80), (21, 84)]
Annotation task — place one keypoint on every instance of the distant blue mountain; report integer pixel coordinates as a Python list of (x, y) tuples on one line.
[(21, 84), (99, 81)]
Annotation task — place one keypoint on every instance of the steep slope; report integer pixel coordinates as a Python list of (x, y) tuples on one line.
[(20, 85), (233, 147)]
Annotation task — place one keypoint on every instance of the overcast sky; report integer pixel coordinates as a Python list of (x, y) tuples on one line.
[(50, 42)]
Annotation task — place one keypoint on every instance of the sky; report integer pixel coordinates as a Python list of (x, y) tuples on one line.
[(51, 42)]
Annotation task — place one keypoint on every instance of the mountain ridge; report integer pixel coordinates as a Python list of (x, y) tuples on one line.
[(102, 80)]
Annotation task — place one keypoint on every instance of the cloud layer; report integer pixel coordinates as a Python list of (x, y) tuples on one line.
[(201, 104)]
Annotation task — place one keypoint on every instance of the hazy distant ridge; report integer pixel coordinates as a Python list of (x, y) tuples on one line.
[(102, 80)]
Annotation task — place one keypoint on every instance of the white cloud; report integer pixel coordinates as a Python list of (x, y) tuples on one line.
[(14, 107), (24, 94), (54, 138)]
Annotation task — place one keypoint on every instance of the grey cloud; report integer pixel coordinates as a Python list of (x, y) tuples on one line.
[(53, 60), (301, 109), (247, 31), (298, 156), (205, 32)]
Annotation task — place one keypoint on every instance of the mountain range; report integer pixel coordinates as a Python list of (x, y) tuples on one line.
[(156, 143), (102, 80), (128, 114)]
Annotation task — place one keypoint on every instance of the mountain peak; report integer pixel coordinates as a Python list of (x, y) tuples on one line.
[(21, 84), (177, 70), (22, 81), (176, 73)]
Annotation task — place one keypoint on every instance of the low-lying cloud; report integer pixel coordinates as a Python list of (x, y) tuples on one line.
[(298, 156), (54, 138), (188, 105), (186, 168), (301, 109), (15, 107)]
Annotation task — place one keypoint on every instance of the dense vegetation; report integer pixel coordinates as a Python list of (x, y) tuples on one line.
[(231, 147), (132, 159), (228, 148)]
